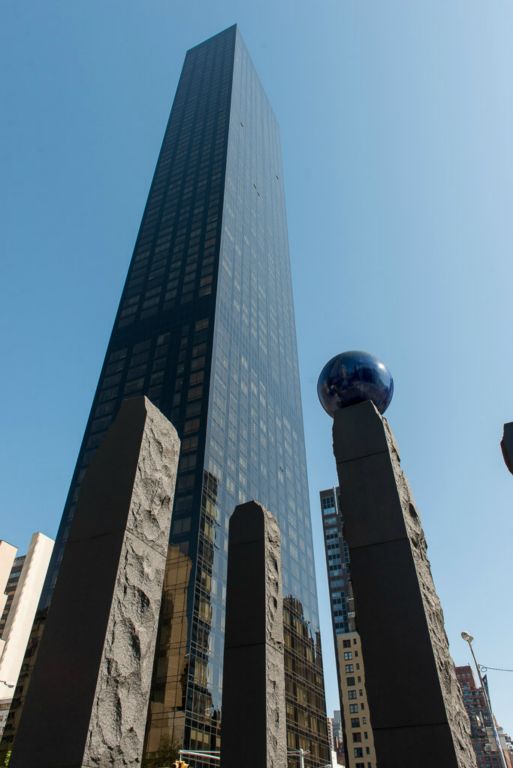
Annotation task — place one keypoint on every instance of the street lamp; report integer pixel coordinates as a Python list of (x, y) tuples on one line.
[(468, 639), (301, 753)]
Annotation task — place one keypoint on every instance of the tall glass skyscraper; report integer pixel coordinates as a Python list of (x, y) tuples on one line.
[(205, 328)]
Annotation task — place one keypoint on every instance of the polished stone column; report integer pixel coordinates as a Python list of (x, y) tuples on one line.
[(253, 719), (88, 697), (416, 708)]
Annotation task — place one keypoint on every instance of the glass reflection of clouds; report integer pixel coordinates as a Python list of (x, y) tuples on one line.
[(353, 377)]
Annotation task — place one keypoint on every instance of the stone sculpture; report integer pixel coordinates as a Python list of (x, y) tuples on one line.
[(416, 708), (507, 445), (253, 723), (87, 701)]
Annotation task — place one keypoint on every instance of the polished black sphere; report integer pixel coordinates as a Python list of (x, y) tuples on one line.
[(353, 377)]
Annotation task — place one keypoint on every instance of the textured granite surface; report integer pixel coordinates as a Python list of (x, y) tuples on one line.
[(275, 671), (457, 716), (87, 702), (118, 719), (416, 708)]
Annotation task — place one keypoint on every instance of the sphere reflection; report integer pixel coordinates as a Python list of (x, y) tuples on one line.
[(353, 377)]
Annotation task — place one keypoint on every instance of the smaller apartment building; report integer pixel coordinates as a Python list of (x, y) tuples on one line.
[(358, 736)]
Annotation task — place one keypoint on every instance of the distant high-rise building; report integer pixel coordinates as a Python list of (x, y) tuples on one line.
[(9, 574), (356, 720), (205, 328), (507, 746), (10, 590), (481, 726), (26, 582), (331, 741), (335, 739), (338, 736)]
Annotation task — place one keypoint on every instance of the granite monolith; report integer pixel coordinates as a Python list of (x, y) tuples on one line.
[(88, 697), (415, 702), (253, 723), (507, 445)]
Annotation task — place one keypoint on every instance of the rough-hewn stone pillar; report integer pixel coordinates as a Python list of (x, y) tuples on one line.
[(507, 445), (88, 697), (253, 715), (415, 703)]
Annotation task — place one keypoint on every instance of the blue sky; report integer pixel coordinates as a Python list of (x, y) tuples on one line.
[(397, 130)]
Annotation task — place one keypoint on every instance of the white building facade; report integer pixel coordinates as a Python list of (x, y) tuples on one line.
[(21, 614)]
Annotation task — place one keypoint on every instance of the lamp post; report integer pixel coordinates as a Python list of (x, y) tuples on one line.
[(468, 639), (301, 754)]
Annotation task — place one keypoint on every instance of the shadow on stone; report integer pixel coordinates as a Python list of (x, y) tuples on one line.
[(253, 723), (88, 697), (415, 702)]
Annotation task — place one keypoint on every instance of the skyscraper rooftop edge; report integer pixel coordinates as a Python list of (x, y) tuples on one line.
[(209, 40)]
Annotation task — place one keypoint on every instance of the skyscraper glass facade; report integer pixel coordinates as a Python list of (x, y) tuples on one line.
[(205, 328)]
